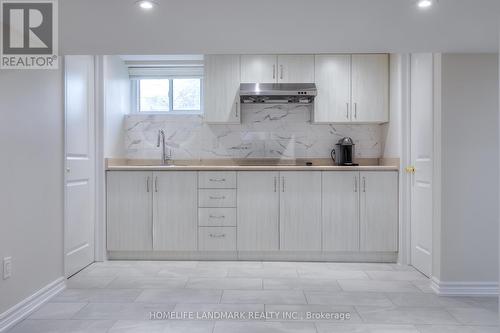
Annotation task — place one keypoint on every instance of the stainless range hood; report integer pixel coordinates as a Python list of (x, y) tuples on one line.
[(301, 93)]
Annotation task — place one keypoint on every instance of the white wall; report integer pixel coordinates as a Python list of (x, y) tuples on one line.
[(470, 164), (31, 178), (116, 94)]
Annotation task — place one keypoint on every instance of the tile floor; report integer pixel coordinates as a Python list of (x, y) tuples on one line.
[(119, 296)]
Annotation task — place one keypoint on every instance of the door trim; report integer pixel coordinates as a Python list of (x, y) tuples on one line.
[(405, 233)]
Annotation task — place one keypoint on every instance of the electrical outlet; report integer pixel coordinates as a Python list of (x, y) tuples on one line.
[(7, 267)]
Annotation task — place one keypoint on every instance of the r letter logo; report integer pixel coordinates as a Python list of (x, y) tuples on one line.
[(29, 34)]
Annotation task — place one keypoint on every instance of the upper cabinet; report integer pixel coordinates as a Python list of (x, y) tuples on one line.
[(352, 88), (222, 89), (333, 81), (370, 87), (277, 69), (295, 69), (258, 69)]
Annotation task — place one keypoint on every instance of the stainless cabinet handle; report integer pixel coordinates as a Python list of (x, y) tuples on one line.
[(364, 184), (217, 236), (355, 184), (217, 217), (217, 179), (217, 198), (156, 184), (275, 183), (347, 110), (274, 71), (281, 72), (355, 110), (147, 184), (283, 185)]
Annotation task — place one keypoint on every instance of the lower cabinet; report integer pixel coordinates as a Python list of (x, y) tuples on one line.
[(151, 211), (378, 211), (300, 211), (258, 211), (175, 208), (340, 201), (129, 211)]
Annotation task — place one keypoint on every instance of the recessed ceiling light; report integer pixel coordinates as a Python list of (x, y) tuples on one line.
[(424, 3), (146, 4)]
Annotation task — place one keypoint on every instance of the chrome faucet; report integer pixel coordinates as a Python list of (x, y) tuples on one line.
[(165, 158)]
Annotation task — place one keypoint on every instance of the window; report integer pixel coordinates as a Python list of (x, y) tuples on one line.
[(169, 95)]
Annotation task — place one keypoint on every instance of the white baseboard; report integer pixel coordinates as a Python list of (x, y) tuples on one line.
[(465, 288), (29, 305)]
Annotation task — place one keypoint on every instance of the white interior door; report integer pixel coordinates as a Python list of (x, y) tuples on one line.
[(80, 166), (422, 161)]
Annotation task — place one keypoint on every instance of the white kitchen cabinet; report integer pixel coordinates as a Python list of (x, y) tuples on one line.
[(370, 88), (258, 211), (333, 81), (379, 211), (175, 211), (129, 211), (259, 69), (300, 211), (340, 201), (222, 89), (295, 68)]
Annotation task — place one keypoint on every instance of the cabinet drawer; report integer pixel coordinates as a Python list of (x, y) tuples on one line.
[(216, 198), (215, 179), (217, 217), (217, 239)]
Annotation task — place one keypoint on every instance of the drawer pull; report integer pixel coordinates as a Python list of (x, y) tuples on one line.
[(217, 217), (218, 198), (217, 236), (217, 179)]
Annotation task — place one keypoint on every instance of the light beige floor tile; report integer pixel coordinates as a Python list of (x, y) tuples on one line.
[(263, 296), (267, 272), (264, 327), (88, 282), (333, 274), (378, 286), (161, 326), (347, 298), (423, 300), (396, 276), (184, 272), (456, 329), (214, 309), (57, 310), (301, 284), (474, 316), (173, 296), (230, 264), (364, 328), (125, 311), (139, 282), (62, 326), (224, 283), (97, 295), (406, 315)]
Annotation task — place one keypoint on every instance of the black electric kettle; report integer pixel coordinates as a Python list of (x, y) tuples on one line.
[(343, 154)]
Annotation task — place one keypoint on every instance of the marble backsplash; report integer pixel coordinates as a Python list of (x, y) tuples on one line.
[(266, 131)]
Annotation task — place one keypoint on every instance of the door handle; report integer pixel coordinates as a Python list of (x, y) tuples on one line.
[(275, 183), (281, 72), (347, 110), (410, 169), (364, 184), (274, 71), (147, 184), (283, 184), (355, 184), (156, 184), (355, 110)]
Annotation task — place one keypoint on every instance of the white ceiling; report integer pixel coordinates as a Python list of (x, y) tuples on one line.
[(277, 26)]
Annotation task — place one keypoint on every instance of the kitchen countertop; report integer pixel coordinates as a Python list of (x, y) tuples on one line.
[(248, 165)]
